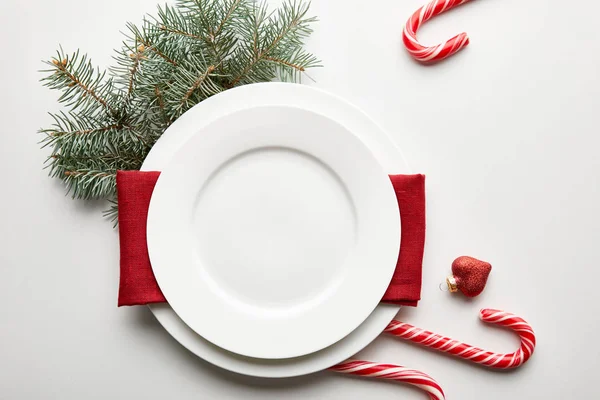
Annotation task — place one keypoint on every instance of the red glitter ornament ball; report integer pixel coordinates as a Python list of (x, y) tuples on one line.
[(469, 275)]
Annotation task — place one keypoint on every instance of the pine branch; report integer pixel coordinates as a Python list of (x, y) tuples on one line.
[(166, 65), (75, 134), (69, 77), (288, 28), (75, 81)]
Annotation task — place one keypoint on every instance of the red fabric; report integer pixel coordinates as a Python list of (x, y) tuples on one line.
[(138, 285), (405, 287)]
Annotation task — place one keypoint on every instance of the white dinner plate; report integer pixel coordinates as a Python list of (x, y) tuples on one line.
[(274, 232), (310, 99)]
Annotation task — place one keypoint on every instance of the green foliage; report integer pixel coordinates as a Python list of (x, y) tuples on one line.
[(173, 61)]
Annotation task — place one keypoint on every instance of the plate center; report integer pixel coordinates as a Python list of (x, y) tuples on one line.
[(273, 229)]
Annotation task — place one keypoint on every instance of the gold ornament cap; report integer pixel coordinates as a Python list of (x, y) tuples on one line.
[(452, 285)]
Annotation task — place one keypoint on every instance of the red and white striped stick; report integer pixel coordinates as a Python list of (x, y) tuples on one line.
[(433, 53), (447, 345), (392, 372), (471, 353)]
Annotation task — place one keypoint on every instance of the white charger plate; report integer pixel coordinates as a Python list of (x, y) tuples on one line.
[(273, 232), (310, 99)]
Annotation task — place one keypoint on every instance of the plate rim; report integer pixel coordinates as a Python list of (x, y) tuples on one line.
[(301, 96)]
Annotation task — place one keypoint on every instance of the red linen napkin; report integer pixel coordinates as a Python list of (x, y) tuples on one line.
[(138, 286)]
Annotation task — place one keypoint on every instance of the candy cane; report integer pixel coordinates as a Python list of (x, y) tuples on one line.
[(392, 372), (442, 50), (471, 353)]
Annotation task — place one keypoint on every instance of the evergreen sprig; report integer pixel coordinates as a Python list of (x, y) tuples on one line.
[(171, 62)]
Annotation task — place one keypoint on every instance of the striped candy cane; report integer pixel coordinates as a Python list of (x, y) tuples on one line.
[(471, 353), (392, 372), (434, 53), (447, 345)]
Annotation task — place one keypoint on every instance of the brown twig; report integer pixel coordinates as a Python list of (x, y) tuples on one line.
[(136, 63), (105, 129), (87, 131), (161, 105), (76, 174), (103, 157), (197, 84), (289, 64)]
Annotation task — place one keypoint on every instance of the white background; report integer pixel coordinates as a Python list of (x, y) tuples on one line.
[(506, 132)]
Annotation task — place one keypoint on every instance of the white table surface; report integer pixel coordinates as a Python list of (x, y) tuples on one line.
[(506, 132)]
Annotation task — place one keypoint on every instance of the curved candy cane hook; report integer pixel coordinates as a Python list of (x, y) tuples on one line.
[(434, 53), (392, 372), (471, 353)]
